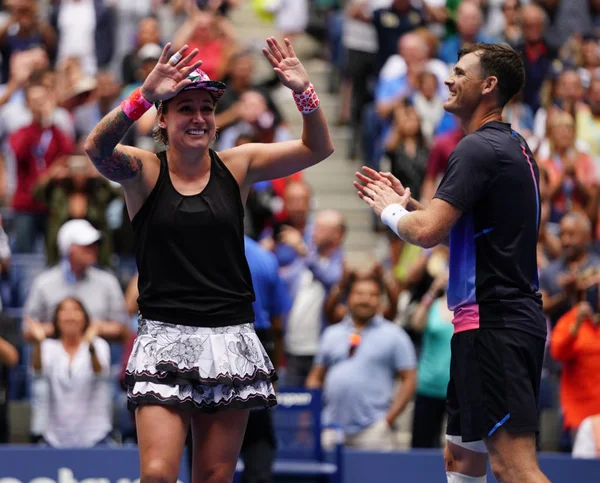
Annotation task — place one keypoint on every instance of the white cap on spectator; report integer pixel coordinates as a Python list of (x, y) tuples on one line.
[(150, 52), (76, 232)]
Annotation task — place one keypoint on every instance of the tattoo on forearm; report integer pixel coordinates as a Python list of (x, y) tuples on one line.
[(120, 166), (112, 163)]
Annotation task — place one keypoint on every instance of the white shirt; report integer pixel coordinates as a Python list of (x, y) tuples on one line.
[(77, 26), (585, 445), (80, 402), (303, 329)]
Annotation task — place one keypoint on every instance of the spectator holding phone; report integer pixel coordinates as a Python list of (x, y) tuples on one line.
[(575, 342)]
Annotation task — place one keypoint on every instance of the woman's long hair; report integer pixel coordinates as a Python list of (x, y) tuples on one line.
[(86, 317)]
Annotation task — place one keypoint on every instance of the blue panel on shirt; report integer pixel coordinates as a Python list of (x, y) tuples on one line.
[(461, 283)]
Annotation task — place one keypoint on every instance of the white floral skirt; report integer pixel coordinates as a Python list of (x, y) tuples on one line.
[(199, 368)]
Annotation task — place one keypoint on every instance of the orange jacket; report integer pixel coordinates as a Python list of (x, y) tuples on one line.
[(580, 378)]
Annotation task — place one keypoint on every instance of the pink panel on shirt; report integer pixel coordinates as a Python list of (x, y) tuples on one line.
[(466, 318)]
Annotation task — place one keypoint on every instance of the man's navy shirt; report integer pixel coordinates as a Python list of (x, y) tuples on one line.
[(492, 177)]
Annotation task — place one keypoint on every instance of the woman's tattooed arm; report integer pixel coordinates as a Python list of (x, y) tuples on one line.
[(114, 162)]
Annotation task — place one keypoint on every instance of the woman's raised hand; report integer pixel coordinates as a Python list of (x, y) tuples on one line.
[(286, 65), (169, 75)]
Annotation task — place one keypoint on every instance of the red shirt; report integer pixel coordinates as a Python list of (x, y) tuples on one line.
[(35, 149), (437, 162), (279, 186), (580, 376), (211, 54)]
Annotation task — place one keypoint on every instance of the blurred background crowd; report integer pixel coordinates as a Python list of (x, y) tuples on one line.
[(374, 335)]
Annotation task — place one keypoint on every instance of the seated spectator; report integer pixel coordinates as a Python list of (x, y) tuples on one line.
[(72, 190), (571, 172), (76, 275), (407, 149), (587, 441), (9, 357), (36, 147), (558, 280), (575, 342), (76, 364), (358, 363), (433, 319), (469, 20)]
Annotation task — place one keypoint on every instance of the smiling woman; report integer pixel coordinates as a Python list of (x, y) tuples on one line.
[(197, 359), (186, 106), (76, 366)]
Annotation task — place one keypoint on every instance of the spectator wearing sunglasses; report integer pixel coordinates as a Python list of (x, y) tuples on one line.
[(358, 364)]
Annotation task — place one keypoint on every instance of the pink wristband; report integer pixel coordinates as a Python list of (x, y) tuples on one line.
[(307, 101), (135, 105)]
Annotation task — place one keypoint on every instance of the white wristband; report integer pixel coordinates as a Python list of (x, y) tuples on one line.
[(391, 214)]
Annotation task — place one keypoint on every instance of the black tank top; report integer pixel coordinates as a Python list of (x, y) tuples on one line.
[(190, 252)]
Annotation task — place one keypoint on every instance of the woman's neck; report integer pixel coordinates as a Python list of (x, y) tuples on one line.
[(189, 164), (71, 343)]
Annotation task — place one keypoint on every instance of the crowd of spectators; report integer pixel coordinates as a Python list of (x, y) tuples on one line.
[(376, 338)]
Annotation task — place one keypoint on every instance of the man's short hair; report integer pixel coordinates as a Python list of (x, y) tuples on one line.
[(502, 62), (580, 219), (356, 278)]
